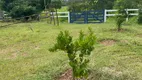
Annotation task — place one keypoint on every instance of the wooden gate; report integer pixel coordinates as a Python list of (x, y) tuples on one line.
[(94, 16)]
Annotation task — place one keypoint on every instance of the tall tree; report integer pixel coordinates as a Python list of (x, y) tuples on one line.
[(54, 5)]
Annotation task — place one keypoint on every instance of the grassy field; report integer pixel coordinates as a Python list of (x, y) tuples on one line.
[(24, 53)]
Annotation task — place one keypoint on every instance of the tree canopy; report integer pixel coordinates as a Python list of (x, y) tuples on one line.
[(127, 4), (81, 5), (104, 4), (20, 8)]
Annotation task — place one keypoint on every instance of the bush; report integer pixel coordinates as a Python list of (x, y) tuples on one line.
[(78, 51), (119, 22), (120, 18), (21, 8)]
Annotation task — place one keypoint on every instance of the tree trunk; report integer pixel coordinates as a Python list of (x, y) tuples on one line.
[(119, 28), (53, 18), (57, 18)]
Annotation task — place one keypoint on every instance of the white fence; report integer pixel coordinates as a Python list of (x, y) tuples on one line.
[(63, 15), (130, 12), (60, 15), (108, 13)]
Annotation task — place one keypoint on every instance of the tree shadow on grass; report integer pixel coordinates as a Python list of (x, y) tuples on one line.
[(108, 42)]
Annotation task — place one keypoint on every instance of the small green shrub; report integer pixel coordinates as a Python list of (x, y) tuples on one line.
[(78, 51), (119, 22), (120, 18)]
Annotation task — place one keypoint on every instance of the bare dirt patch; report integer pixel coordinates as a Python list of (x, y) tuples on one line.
[(37, 47), (14, 55), (25, 54), (124, 41), (139, 35), (107, 42), (67, 75)]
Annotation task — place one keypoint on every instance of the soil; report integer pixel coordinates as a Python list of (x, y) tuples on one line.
[(124, 41), (14, 55), (108, 42), (37, 47), (139, 35), (67, 75), (24, 54)]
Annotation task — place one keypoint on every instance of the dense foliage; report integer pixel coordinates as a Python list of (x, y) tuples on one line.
[(78, 51), (126, 4), (20, 8), (104, 4), (57, 4), (81, 5)]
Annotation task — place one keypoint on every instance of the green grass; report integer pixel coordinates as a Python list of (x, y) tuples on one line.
[(24, 53)]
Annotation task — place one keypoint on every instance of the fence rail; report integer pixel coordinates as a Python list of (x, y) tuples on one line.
[(61, 15)]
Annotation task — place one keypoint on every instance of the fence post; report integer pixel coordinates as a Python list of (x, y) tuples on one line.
[(105, 15), (85, 17), (127, 15), (68, 17)]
